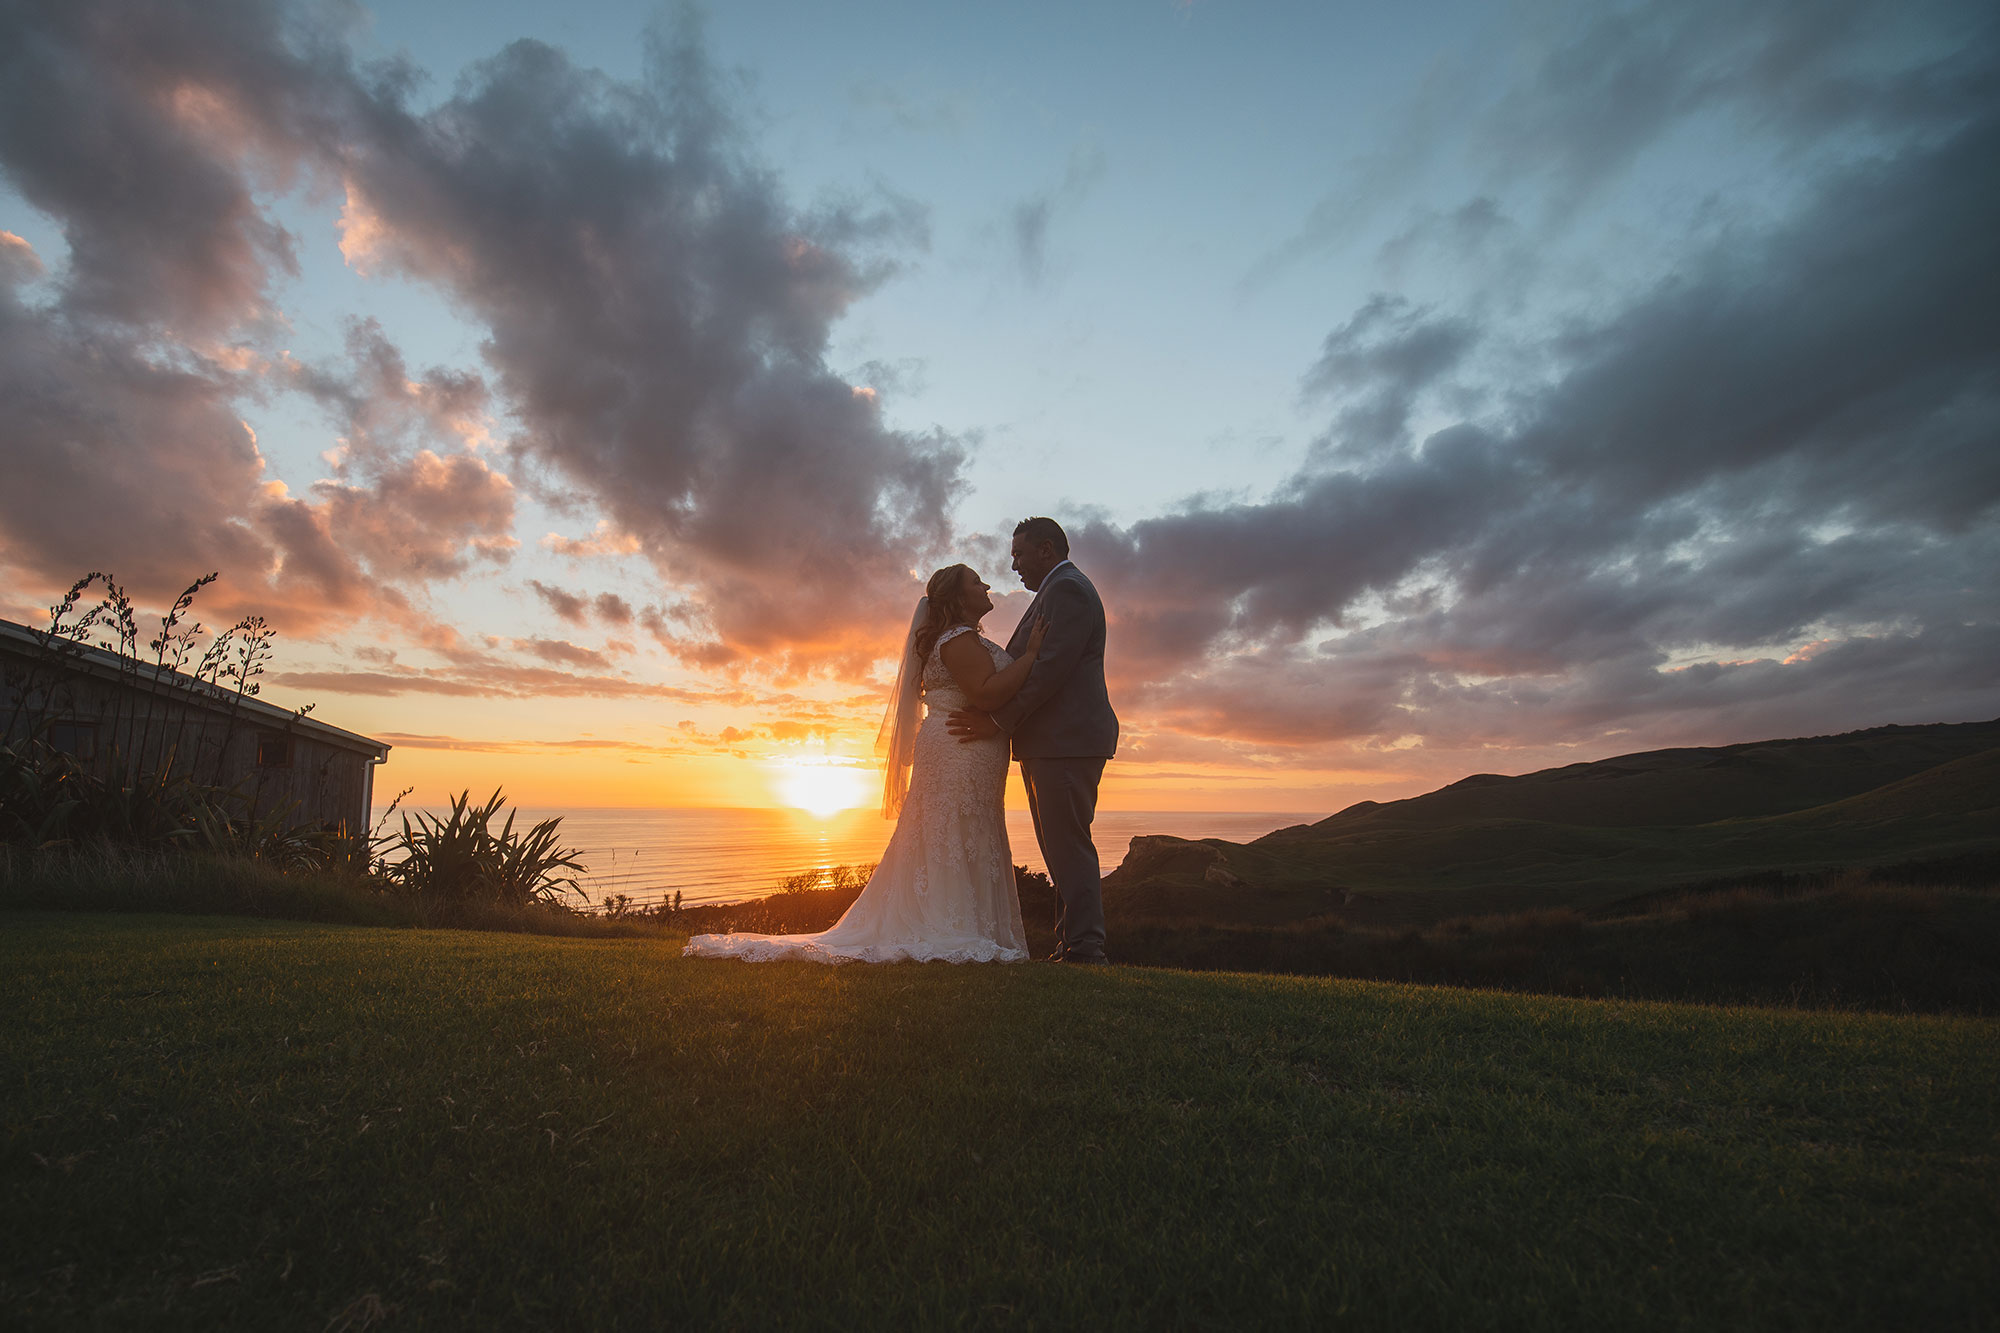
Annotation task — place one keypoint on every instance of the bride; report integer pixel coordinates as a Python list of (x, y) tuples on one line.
[(944, 890)]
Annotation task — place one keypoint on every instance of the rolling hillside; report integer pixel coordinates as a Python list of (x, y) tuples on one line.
[(1595, 835)]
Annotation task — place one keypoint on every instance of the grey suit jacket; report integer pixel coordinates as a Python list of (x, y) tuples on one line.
[(1063, 711)]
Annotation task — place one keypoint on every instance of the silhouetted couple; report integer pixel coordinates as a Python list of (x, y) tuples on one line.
[(945, 887)]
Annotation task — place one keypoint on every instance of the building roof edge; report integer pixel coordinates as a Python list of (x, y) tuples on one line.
[(105, 664)]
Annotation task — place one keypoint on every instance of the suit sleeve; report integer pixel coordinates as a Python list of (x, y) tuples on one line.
[(1071, 622)]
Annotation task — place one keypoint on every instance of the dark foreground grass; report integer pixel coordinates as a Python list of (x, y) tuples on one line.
[(259, 1124), (1850, 944)]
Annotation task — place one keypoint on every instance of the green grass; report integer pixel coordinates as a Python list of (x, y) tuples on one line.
[(260, 1124)]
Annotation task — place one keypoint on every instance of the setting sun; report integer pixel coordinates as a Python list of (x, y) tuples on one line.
[(822, 789)]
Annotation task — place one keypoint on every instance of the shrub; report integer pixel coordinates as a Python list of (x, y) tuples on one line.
[(49, 799), (461, 859)]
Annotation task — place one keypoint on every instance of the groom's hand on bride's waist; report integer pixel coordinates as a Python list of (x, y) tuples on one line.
[(969, 724)]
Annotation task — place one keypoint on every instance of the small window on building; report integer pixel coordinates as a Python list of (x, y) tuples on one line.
[(274, 752), (78, 739)]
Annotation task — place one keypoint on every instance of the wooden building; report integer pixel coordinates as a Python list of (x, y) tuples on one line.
[(121, 717)]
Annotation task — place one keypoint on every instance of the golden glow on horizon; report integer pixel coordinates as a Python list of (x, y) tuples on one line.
[(517, 745), (822, 789)]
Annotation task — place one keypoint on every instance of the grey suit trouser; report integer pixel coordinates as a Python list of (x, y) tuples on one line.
[(1062, 798)]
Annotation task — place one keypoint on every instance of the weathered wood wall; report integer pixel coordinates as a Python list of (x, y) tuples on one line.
[(119, 729)]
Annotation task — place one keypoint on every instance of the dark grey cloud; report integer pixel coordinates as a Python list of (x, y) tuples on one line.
[(1777, 471), (1379, 362)]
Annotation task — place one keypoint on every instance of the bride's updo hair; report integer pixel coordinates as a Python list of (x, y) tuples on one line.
[(946, 592)]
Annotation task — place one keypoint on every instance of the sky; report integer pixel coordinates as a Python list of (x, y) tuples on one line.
[(584, 391)]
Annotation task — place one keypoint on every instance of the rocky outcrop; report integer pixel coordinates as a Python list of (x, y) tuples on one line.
[(1159, 855)]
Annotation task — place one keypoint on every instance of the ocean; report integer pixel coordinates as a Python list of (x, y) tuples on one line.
[(712, 856)]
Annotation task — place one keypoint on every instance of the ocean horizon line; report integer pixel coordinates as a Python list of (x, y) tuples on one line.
[(714, 854), (1233, 811)]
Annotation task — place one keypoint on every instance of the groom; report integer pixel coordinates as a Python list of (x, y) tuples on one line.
[(1062, 729)]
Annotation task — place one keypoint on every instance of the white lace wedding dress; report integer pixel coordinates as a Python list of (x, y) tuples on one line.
[(944, 891)]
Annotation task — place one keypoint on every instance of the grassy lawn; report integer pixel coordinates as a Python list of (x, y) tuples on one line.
[(210, 1122)]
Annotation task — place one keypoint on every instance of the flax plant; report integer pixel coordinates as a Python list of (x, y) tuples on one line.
[(460, 859), (136, 791)]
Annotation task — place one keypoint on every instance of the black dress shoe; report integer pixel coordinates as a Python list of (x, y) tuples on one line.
[(1090, 960)]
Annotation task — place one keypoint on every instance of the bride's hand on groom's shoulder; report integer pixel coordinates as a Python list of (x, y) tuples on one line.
[(969, 724)]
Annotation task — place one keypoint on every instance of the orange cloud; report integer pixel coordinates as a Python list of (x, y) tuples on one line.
[(363, 234), (604, 541)]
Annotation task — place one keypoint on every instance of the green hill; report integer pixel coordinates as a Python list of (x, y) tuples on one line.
[(1961, 788), (1664, 788), (1592, 836)]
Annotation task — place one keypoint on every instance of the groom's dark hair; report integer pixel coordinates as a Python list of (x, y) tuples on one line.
[(1039, 530)]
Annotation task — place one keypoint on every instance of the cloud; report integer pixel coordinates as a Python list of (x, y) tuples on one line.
[(1757, 493), (486, 679), (120, 459), (577, 608), (1608, 82), (426, 741), (1380, 361), (569, 606), (380, 410), (424, 517), (656, 315), (160, 478), (686, 741), (1029, 222), (149, 137), (563, 652), (601, 543), (1567, 99), (19, 264), (658, 320), (107, 126), (497, 671), (1476, 241), (1757, 496)]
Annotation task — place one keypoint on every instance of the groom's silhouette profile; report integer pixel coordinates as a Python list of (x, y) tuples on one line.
[(1062, 729)]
